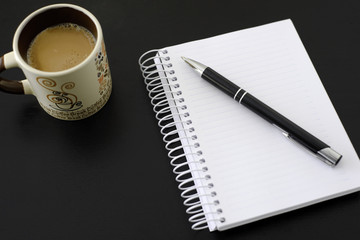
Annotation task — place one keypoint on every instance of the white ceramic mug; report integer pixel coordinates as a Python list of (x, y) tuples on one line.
[(71, 94)]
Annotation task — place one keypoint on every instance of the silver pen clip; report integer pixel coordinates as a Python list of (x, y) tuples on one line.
[(285, 133)]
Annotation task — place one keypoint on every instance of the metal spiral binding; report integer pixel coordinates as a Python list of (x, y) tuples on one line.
[(170, 110)]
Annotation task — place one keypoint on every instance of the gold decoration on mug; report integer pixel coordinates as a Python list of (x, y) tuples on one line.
[(62, 100)]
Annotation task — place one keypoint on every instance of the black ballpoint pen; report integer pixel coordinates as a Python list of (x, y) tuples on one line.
[(292, 131)]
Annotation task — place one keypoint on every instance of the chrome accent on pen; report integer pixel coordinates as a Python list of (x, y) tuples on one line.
[(237, 92), (329, 156), (289, 129), (241, 98)]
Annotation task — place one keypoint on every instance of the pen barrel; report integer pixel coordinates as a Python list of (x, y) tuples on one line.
[(291, 129), (220, 82), (294, 131)]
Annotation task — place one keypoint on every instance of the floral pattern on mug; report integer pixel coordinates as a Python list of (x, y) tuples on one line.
[(102, 66)]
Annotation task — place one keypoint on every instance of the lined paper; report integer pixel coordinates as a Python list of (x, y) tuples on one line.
[(255, 170)]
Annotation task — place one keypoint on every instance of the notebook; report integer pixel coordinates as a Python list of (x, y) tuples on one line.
[(233, 167)]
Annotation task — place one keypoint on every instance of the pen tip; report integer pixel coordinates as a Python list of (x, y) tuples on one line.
[(194, 64)]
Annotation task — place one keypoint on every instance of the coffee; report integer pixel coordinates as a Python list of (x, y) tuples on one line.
[(60, 47)]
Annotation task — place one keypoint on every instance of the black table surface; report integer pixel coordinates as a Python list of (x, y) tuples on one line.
[(108, 176)]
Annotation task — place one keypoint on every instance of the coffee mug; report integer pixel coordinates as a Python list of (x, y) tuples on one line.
[(71, 94)]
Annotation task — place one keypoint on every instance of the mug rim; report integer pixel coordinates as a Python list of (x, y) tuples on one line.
[(22, 25)]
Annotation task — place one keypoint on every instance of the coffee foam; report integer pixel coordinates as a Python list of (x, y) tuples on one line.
[(60, 47)]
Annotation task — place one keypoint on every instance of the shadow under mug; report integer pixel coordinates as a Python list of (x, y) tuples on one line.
[(71, 94)]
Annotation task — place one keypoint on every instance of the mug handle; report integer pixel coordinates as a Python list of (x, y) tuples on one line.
[(8, 61)]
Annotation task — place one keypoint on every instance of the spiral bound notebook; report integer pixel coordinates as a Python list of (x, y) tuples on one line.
[(233, 167)]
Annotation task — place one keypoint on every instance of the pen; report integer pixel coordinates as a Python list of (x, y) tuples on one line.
[(292, 131)]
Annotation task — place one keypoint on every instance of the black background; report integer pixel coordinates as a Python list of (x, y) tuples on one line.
[(108, 176)]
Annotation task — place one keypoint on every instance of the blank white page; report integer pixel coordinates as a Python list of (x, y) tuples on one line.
[(256, 171)]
